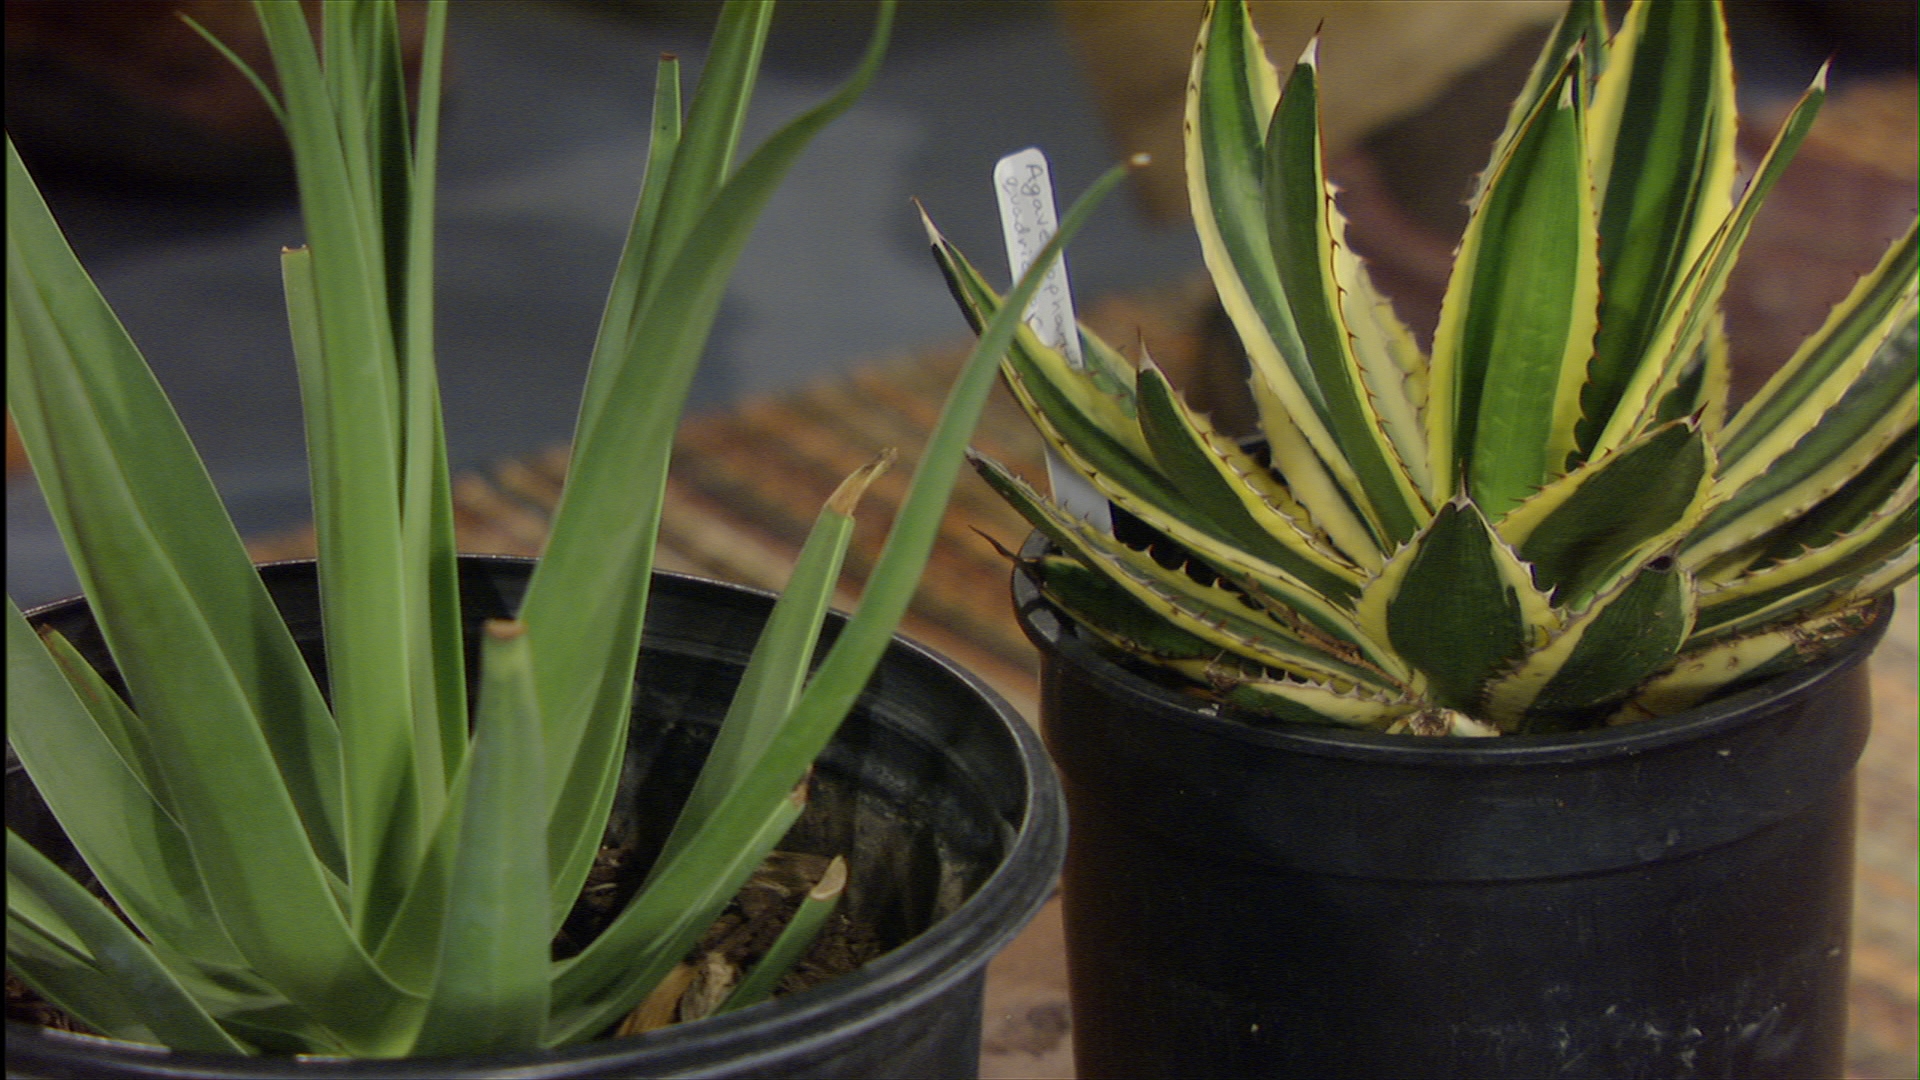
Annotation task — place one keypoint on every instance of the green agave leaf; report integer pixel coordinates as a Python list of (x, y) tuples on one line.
[(1517, 323), (1579, 528), (1661, 138), (1879, 308), (1583, 27), (1842, 512), (1814, 575), (1724, 666), (427, 540), (1231, 96), (623, 298), (65, 977), (1226, 485), (1101, 395), (111, 716), (78, 391), (1298, 205), (1875, 412), (133, 846), (491, 990), (613, 973), (794, 940), (777, 669), (702, 156), (142, 983), (1211, 613), (1696, 301), (378, 748), (237, 787), (1627, 634), (1098, 603), (1392, 367), (354, 425), (587, 597), (1457, 604)]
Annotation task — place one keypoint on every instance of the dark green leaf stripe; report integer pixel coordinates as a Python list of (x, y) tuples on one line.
[(1092, 598), (1633, 633), (1673, 142), (1229, 134), (1454, 616), (1195, 472), (1697, 300), (1623, 502), (1881, 392), (1297, 214), (1888, 538), (1852, 326), (1519, 309)]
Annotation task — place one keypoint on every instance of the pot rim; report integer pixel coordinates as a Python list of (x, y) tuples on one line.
[(1052, 631), (865, 998)]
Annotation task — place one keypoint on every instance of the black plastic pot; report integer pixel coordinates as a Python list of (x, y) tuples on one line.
[(1664, 899), (935, 789)]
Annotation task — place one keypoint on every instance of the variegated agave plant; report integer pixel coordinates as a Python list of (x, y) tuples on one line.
[(1546, 522)]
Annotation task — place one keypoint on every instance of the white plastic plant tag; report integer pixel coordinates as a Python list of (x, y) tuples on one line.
[(1028, 220)]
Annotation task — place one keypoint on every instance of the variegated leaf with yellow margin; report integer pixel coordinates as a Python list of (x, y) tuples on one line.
[(1879, 537), (1231, 97), (1627, 634), (1663, 172), (1870, 492), (1209, 612), (1103, 394), (1300, 222), (1296, 701), (1695, 302), (1098, 605), (1517, 323), (1612, 510), (1880, 306), (1224, 483), (1701, 673), (1457, 604), (1876, 410)]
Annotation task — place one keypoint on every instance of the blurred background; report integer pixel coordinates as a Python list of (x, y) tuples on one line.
[(176, 190), (173, 183)]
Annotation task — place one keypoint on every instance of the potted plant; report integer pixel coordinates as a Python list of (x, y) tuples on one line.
[(1496, 714), (252, 812)]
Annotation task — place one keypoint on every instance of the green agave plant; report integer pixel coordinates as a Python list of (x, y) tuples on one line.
[(1545, 522), (374, 872)]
